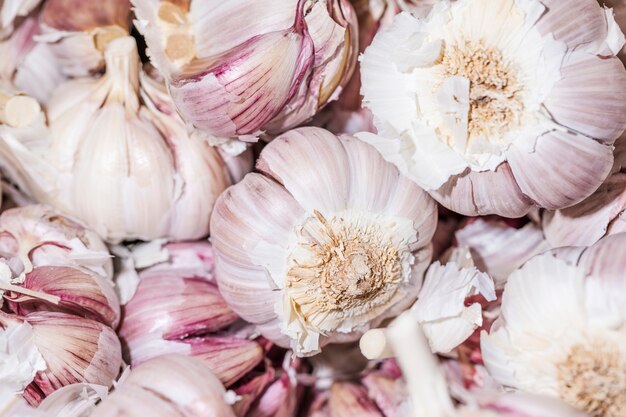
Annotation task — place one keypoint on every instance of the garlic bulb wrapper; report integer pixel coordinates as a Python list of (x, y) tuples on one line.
[(168, 386), (237, 81), (327, 242), (118, 157), (513, 104), (11, 10), (571, 346), (78, 39)]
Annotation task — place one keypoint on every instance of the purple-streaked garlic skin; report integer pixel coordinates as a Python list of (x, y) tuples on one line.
[(251, 390), (223, 88), (13, 11), (75, 350), (168, 386), (78, 39), (280, 399), (256, 220), (177, 308), (80, 293)]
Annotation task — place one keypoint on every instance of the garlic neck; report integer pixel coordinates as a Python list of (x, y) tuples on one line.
[(122, 72)]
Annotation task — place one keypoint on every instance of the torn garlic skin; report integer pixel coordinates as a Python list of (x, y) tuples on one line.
[(474, 88), (562, 334)]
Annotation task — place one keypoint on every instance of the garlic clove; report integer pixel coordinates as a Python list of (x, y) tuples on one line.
[(86, 295), (79, 39), (74, 349), (473, 194), (75, 400), (181, 382), (388, 393), (131, 401), (347, 399), (229, 100), (605, 261), (499, 249), (555, 155), (11, 10), (248, 393), (597, 120)]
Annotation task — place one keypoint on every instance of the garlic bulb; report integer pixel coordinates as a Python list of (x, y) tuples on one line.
[(74, 349), (562, 330), (232, 80), (175, 310), (11, 10), (168, 386), (118, 157), (79, 39), (329, 241), (489, 113)]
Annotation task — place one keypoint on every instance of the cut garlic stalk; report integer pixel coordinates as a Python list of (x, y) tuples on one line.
[(18, 110), (272, 74), (79, 39), (562, 330), (488, 114), (320, 249)]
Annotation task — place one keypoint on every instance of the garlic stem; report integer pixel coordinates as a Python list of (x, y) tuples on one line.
[(25, 291), (374, 345), (18, 110), (425, 382), (122, 71)]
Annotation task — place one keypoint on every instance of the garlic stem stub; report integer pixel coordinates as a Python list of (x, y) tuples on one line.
[(326, 242), (79, 39), (237, 81), (496, 108)]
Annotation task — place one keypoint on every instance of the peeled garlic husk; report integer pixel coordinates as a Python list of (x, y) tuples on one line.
[(234, 81), (32, 69), (561, 331), (270, 233), (168, 386), (11, 10), (498, 248), (533, 141), (117, 157), (74, 350), (79, 32)]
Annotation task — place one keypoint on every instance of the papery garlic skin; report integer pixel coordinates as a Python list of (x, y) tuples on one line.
[(501, 123), (20, 359), (319, 250), (168, 386), (78, 39), (10, 10), (117, 157), (572, 346), (234, 81)]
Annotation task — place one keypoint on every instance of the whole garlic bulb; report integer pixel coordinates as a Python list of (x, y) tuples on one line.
[(167, 386), (273, 73), (490, 114), (118, 157), (79, 32), (328, 241), (562, 329)]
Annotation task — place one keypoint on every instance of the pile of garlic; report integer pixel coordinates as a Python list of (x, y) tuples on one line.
[(320, 208)]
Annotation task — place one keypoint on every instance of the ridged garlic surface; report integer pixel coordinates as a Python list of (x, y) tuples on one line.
[(562, 330), (78, 39), (326, 242), (117, 156), (234, 80), (496, 108)]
